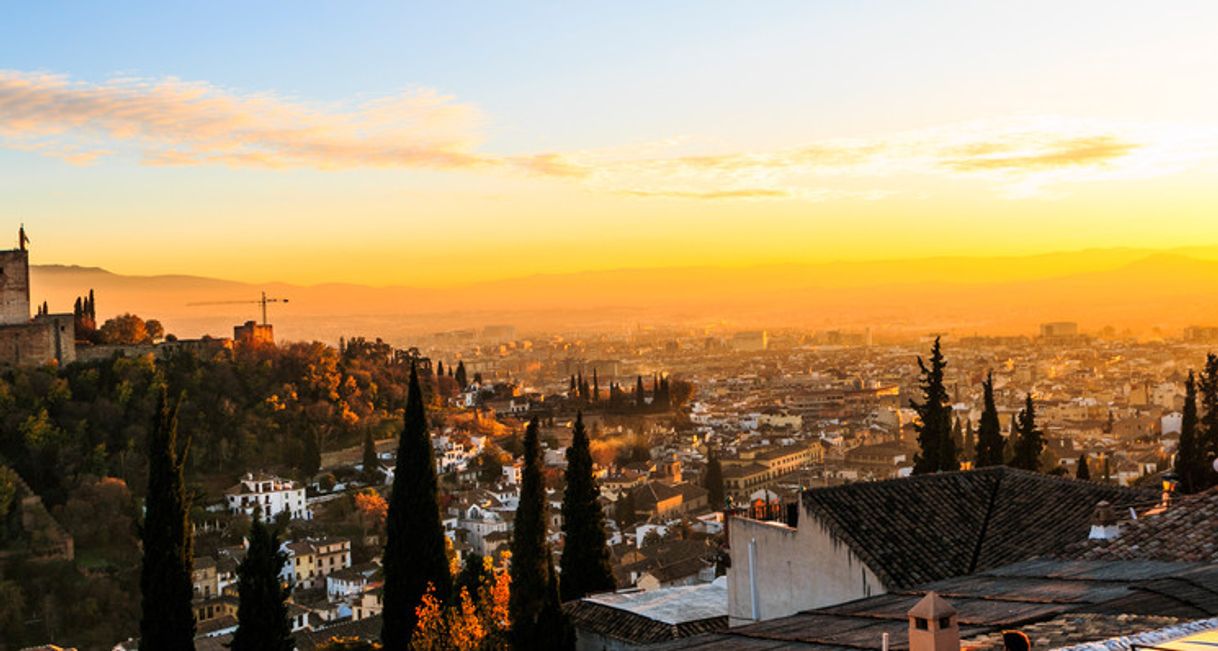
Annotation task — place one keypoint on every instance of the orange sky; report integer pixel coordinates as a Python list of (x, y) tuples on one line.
[(635, 136)]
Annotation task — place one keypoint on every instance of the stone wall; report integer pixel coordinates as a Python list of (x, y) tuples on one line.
[(45, 340), (14, 287)]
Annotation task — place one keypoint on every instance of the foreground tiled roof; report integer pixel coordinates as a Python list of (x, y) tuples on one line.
[(1068, 629), (929, 527), (1186, 531), (1043, 596)]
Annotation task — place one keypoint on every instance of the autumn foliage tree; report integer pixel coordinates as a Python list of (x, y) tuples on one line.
[(478, 618)]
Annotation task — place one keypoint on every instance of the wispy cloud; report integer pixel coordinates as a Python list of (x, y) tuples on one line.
[(746, 193), (1018, 159), (1071, 152), (169, 122), (173, 122)]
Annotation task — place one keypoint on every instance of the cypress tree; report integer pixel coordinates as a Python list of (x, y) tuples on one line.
[(262, 612), (596, 387), (969, 451), (371, 461), (585, 557), (713, 481), (958, 435), (415, 552), (934, 424), (168, 621), (440, 369), (310, 458), (624, 510), (473, 573), (1030, 442), (989, 431), (1190, 456), (639, 397), (554, 631), (530, 570), (1083, 472), (1207, 426), (460, 376)]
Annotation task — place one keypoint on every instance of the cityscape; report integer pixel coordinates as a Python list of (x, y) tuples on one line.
[(673, 326)]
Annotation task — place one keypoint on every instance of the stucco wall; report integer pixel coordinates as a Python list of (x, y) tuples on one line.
[(797, 569)]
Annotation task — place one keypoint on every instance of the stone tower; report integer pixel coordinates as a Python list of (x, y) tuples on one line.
[(14, 286)]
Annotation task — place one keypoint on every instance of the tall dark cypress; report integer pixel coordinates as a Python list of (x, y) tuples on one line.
[(585, 557), (371, 462), (989, 431), (415, 553), (596, 387), (1084, 471), (555, 632), (1190, 455), (713, 481), (969, 451), (531, 563), (168, 622), (934, 424), (460, 377), (1030, 442), (639, 395), (1207, 425), (262, 612), (310, 458)]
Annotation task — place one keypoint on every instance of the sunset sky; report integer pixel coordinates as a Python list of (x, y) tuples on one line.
[(441, 143)]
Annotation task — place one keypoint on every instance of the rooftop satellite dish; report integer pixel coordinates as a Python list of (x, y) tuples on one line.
[(1215, 465)]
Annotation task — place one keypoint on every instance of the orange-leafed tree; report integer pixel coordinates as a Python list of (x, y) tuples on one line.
[(477, 619)]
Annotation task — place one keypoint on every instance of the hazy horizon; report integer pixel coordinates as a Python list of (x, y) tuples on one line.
[(1135, 291)]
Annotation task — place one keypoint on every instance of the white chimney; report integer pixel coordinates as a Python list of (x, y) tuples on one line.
[(1103, 523)]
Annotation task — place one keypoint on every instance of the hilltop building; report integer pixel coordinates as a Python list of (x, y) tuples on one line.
[(252, 333), (44, 339)]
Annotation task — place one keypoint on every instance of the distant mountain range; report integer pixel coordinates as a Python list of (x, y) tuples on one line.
[(1144, 291)]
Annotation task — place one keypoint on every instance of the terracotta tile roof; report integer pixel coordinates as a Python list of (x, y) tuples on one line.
[(929, 527)]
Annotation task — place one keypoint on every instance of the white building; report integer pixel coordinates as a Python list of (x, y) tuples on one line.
[(479, 521), (268, 495)]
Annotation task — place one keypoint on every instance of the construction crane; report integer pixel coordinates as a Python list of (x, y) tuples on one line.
[(262, 301)]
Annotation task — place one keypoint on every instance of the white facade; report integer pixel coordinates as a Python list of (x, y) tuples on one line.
[(779, 570), (479, 522), (269, 495)]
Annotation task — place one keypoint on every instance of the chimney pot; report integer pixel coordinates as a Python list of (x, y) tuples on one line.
[(933, 625), (1104, 523)]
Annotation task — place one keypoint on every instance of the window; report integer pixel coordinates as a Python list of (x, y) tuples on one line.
[(921, 624), (945, 622)]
